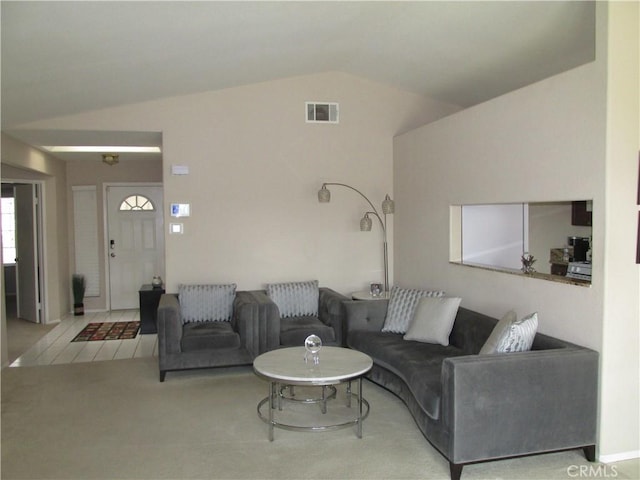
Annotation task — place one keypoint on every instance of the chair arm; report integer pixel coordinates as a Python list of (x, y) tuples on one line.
[(257, 320), (169, 324), (501, 405), (331, 311), (365, 314)]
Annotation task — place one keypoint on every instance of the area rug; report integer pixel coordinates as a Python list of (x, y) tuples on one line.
[(108, 331)]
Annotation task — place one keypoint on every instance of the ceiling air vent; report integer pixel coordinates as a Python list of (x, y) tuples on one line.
[(322, 112)]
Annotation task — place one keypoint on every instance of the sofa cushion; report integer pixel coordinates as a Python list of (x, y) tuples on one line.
[(294, 331), (418, 364), (402, 305), (295, 299), (206, 303), (511, 334), (433, 320), (208, 336)]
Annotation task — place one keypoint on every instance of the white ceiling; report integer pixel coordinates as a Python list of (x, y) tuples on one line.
[(67, 57)]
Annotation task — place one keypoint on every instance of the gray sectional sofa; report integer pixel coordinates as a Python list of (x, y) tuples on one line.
[(205, 326), (290, 322), (473, 407), (206, 344)]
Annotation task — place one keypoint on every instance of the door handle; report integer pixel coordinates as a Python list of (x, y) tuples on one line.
[(113, 254)]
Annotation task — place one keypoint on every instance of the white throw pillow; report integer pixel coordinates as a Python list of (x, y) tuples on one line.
[(511, 334), (433, 320), (402, 306)]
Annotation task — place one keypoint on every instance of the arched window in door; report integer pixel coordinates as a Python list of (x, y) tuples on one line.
[(136, 203)]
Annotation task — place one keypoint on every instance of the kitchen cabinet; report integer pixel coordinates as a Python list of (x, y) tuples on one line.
[(581, 213)]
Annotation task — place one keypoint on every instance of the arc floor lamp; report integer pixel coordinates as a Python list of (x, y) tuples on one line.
[(388, 207)]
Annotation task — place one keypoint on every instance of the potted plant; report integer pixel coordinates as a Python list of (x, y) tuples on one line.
[(78, 285)]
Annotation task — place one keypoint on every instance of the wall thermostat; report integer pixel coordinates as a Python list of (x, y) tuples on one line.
[(180, 210)]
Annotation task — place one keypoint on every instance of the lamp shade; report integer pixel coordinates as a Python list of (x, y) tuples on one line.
[(388, 205), (365, 223), (324, 195)]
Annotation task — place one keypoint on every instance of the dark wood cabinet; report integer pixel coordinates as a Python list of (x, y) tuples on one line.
[(149, 300), (580, 215), (558, 269)]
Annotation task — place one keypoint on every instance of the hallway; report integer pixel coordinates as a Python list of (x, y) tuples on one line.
[(56, 348)]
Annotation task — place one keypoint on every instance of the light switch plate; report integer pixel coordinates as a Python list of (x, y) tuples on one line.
[(176, 228), (179, 170)]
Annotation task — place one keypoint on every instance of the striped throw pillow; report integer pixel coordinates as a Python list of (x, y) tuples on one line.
[(402, 306), (295, 299), (511, 334), (206, 303)]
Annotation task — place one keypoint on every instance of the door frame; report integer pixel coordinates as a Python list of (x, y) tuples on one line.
[(40, 248), (105, 216)]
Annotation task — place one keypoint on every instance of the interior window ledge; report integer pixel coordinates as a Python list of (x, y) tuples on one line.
[(539, 276)]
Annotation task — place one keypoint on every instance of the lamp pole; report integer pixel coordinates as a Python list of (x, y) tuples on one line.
[(324, 196)]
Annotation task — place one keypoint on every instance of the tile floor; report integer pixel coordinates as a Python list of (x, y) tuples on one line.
[(56, 347)]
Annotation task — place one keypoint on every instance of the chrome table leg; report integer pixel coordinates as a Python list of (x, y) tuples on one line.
[(359, 407)]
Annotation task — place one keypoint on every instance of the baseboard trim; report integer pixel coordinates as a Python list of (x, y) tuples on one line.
[(95, 310), (619, 457)]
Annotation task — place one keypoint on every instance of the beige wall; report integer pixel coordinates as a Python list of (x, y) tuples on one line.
[(510, 149), (620, 384), (553, 140), (21, 162), (95, 172), (255, 168)]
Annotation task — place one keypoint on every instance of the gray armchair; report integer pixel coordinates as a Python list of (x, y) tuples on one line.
[(215, 326), (303, 309)]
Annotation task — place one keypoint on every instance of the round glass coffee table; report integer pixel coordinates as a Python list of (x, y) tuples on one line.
[(287, 368)]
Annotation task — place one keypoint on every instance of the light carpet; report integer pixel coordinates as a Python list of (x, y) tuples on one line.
[(107, 420)]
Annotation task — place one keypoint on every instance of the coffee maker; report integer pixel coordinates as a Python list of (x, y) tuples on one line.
[(580, 248)]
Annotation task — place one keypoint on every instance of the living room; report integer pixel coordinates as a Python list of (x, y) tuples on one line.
[(255, 167)]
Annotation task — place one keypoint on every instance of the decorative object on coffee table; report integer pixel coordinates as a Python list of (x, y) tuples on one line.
[(388, 207), (313, 345)]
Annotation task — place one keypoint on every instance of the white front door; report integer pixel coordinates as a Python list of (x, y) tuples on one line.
[(26, 249), (135, 241)]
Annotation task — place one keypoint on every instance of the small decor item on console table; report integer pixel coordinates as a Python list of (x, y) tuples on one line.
[(157, 281), (527, 263)]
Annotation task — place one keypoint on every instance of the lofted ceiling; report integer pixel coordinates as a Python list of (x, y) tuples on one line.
[(62, 58)]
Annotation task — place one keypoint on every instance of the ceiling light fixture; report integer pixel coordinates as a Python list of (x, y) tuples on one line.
[(110, 158), (100, 149)]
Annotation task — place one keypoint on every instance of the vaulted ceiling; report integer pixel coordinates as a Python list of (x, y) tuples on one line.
[(67, 57)]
